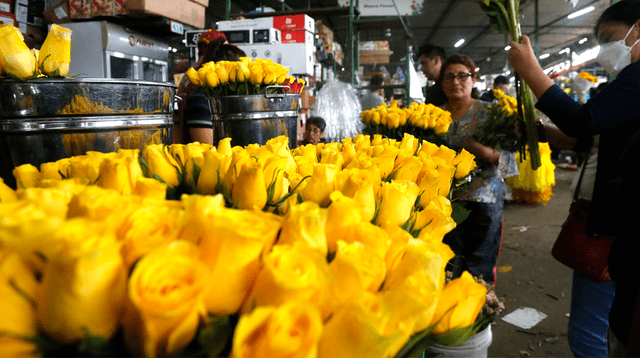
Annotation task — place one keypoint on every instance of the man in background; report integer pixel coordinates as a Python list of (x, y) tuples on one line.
[(500, 83), (431, 59), (375, 96)]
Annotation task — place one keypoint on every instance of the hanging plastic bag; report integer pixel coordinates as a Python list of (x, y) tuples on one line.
[(338, 104)]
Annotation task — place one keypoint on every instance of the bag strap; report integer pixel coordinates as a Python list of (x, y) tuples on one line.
[(584, 166)]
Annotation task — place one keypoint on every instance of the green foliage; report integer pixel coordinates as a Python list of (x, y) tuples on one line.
[(498, 130)]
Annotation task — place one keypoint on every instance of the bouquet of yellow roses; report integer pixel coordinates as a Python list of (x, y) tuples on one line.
[(94, 259), (244, 77), (499, 129), (423, 121)]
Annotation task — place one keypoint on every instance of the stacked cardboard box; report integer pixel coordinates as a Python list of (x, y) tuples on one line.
[(374, 52), (325, 34)]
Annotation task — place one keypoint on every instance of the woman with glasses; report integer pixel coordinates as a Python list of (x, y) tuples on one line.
[(476, 241)]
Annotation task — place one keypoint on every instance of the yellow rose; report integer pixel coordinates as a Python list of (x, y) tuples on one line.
[(360, 186), (373, 236), (120, 174), (355, 268), (321, 184), (101, 204), (165, 301), (359, 329), (275, 177), (342, 215), (52, 170), (84, 285), (399, 240), (189, 155), (291, 330), (242, 72), (17, 59), (249, 191), (198, 213), (290, 273), (307, 151), (280, 147), (398, 199), (434, 222), (7, 195), (464, 163), (256, 73), (231, 247), (409, 170), (459, 304), (328, 156), (150, 188), (55, 53), (147, 228), (162, 164), (223, 74), (305, 224), (238, 158), (213, 170), (17, 313), (192, 75), (27, 176), (446, 177), (54, 201), (87, 166)]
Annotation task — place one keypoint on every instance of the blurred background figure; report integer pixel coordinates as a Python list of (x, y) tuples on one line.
[(500, 83), (313, 131), (375, 96), (431, 58)]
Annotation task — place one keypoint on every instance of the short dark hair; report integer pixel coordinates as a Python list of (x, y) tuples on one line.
[(626, 11), (318, 122), (458, 59), (501, 80), (376, 80), (431, 50)]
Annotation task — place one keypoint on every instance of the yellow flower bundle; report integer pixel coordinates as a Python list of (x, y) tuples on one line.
[(244, 77), (534, 186), (587, 76), (18, 62), (353, 261), (424, 121)]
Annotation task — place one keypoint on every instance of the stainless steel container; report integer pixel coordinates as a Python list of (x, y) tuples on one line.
[(44, 120), (255, 118)]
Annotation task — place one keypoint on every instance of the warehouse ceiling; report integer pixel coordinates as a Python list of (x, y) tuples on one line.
[(444, 22)]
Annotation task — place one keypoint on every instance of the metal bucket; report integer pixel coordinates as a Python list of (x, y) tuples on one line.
[(255, 118), (45, 120)]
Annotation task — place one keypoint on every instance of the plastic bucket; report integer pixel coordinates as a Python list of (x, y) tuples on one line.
[(255, 119), (476, 346)]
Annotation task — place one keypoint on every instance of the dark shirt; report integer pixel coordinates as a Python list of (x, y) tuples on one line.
[(435, 95), (487, 96), (615, 115), (197, 113)]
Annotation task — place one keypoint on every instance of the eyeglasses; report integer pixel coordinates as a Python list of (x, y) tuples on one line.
[(460, 76)]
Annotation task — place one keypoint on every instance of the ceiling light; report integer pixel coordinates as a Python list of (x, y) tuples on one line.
[(459, 43), (477, 69), (543, 56), (580, 12), (583, 41), (564, 50), (507, 48)]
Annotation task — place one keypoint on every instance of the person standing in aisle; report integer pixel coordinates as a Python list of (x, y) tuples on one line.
[(615, 115), (431, 59), (375, 96), (500, 83), (475, 241)]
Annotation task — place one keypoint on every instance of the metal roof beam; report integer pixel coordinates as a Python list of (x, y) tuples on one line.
[(443, 16)]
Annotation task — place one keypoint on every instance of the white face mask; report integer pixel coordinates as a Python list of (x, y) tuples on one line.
[(614, 56)]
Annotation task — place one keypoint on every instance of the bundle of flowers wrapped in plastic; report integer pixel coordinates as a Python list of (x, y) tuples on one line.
[(20, 63), (331, 251), (244, 77), (423, 121), (534, 186)]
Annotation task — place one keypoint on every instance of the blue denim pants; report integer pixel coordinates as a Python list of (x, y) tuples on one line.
[(589, 317)]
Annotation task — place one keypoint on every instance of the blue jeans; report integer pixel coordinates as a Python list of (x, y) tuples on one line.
[(589, 317)]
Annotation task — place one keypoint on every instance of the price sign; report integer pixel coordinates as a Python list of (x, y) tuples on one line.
[(177, 27), (192, 37)]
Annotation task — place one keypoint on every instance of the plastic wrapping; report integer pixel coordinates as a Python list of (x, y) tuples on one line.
[(338, 104), (581, 88)]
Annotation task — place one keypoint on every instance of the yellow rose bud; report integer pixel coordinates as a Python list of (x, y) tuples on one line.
[(238, 158), (399, 240), (459, 304), (242, 72), (321, 184), (290, 330), (434, 222), (231, 247), (223, 74), (290, 273), (446, 177), (213, 170), (162, 164), (343, 213), (17, 312), (7, 195), (367, 315), (115, 174), (373, 236), (360, 186), (409, 170), (249, 191), (305, 224), (464, 163), (192, 75), (53, 201), (165, 301), (398, 199), (55, 53), (211, 79), (150, 188), (84, 285), (87, 166), (17, 59), (27, 176)]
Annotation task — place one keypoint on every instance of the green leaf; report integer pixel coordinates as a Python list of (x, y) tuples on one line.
[(93, 345), (215, 336), (196, 175), (459, 212)]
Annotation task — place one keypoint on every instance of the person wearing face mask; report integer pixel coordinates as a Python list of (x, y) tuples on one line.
[(614, 114), (475, 241)]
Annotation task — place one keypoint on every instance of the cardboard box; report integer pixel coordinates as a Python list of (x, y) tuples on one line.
[(294, 22), (6, 6), (375, 56), (30, 14), (79, 9), (259, 23), (184, 11), (108, 7), (297, 37), (7, 18), (58, 14), (374, 45)]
